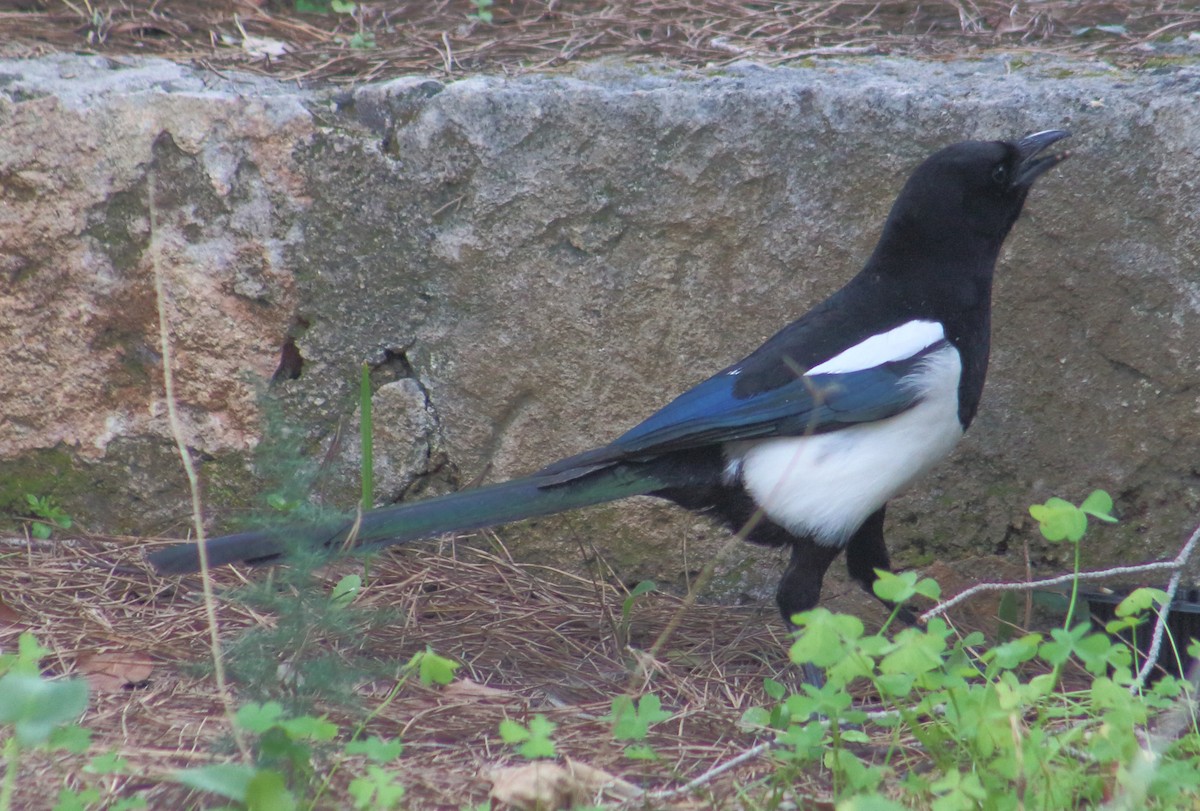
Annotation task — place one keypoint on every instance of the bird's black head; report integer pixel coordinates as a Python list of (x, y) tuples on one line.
[(965, 197)]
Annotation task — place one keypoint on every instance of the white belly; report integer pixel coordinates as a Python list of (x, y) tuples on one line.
[(826, 485)]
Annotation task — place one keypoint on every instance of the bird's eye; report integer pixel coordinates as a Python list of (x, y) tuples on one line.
[(1000, 174)]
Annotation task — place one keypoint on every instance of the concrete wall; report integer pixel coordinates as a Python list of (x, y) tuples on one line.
[(533, 265)]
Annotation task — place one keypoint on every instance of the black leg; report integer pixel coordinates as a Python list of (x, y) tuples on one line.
[(800, 587), (865, 552)]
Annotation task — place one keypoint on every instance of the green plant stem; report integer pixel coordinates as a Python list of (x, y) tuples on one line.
[(919, 731), (12, 756), (1074, 591), (358, 730), (1058, 668), (366, 432)]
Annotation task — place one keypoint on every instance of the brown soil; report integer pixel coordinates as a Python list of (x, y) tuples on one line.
[(449, 38), (530, 641)]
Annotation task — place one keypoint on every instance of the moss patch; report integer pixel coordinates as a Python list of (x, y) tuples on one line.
[(53, 472), (138, 488)]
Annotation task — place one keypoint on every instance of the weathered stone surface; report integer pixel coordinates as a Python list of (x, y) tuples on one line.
[(532, 265), (80, 366)]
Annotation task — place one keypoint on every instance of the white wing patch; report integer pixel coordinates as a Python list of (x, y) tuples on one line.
[(899, 343), (826, 485)]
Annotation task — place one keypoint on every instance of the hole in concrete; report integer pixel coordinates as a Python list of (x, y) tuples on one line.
[(291, 362), (394, 366)]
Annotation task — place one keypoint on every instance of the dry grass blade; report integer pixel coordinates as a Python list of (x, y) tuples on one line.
[(531, 640), (387, 39)]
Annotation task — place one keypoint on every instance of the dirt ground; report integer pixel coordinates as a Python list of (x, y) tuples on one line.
[(530, 641), (335, 41)]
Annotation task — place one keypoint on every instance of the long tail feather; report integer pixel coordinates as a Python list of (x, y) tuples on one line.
[(457, 512)]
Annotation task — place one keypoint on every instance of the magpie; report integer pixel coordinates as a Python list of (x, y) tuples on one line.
[(802, 443)]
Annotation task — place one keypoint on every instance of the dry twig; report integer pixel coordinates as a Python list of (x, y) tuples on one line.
[(1033, 585), (398, 37), (185, 457)]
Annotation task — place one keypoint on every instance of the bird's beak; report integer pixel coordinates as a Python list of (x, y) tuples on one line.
[(1029, 147)]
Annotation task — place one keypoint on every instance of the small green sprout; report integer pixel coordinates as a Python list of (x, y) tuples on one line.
[(51, 516), (533, 741)]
